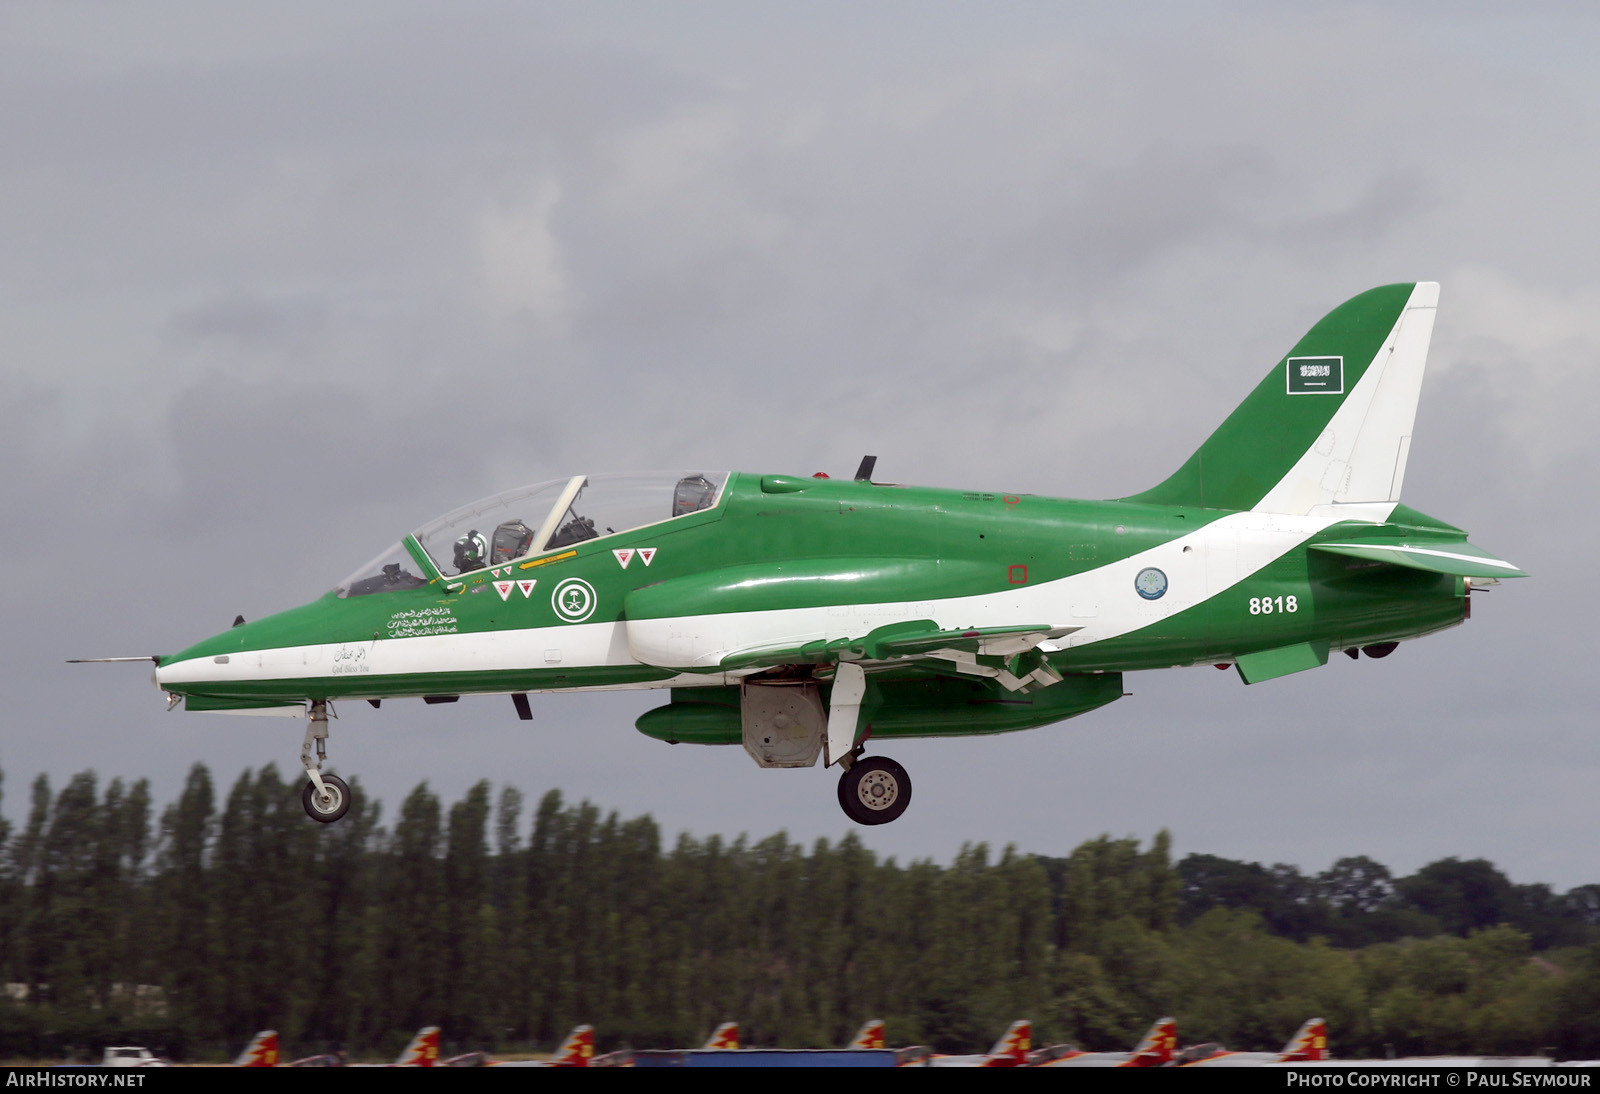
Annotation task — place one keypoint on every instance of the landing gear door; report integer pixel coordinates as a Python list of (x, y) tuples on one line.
[(783, 723)]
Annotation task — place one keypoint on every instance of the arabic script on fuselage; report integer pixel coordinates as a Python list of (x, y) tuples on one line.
[(350, 659), (421, 621)]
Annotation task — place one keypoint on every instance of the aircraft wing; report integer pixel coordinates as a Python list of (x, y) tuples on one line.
[(1457, 557), (742, 617), (911, 639)]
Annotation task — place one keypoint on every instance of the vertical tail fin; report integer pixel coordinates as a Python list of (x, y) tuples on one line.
[(1012, 1049), (724, 1036), (423, 1051), (262, 1051), (870, 1036), (1310, 1043), (1159, 1046), (577, 1050), (1330, 424)]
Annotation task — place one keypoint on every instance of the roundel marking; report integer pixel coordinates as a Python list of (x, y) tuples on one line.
[(574, 600), (1151, 583)]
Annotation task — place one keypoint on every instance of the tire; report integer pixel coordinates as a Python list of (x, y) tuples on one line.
[(330, 811), (875, 790)]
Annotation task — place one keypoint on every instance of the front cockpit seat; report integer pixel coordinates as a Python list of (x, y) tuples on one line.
[(693, 493), (512, 540)]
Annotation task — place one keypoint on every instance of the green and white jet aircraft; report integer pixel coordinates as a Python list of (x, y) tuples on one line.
[(804, 616)]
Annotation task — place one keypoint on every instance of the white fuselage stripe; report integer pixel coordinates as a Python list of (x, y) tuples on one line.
[(1101, 604)]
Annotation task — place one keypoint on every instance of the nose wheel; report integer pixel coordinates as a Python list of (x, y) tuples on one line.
[(326, 797), (331, 804), (874, 790)]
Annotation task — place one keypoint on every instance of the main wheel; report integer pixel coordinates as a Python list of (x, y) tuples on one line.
[(326, 809), (875, 790)]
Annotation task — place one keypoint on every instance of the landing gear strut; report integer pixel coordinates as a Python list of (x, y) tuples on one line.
[(874, 790), (326, 797)]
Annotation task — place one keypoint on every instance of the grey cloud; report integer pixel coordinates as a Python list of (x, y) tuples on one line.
[(281, 326), (252, 336)]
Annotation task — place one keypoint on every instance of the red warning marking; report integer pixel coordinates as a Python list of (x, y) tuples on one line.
[(504, 588), (526, 587), (1018, 574), (624, 556), (647, 555), (1011, 499)]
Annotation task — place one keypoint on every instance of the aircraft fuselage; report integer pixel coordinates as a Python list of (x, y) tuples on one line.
[(782, 561)]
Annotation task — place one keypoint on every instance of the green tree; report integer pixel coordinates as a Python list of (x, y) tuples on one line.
[(182, 892), (71, 925), (260, 905), (26, 856), (466, 1007), (1462, 896), (408, 931), (1237, 983), (339, 979), (1577, 1005), (12, 894), (982, 925)]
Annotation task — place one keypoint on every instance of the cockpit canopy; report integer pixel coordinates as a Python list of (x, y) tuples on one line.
[(534, 519)]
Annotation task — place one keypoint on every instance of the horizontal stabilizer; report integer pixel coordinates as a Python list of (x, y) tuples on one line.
[(1459, 558)]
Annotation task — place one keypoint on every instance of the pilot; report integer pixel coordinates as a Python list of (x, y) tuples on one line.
[(470, 551)]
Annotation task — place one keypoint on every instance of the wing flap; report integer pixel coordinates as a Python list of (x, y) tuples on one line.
[(913, 638)]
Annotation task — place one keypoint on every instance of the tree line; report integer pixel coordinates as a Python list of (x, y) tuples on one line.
[(190, 930)]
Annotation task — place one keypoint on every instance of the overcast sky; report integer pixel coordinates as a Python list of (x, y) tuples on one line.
[(280, 282)]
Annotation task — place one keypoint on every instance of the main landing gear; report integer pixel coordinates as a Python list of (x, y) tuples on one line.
[(326, 797), (874, 790)]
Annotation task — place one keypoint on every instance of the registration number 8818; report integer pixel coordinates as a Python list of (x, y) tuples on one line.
[(1266, 605)]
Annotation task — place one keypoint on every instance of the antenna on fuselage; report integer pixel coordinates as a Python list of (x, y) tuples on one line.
[(864, 472)]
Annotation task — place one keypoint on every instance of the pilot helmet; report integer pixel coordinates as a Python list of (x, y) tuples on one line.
[(470, 550)]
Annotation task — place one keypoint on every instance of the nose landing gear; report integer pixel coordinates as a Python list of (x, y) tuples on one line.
[(326, 797), (331, 803), (874, 790)]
